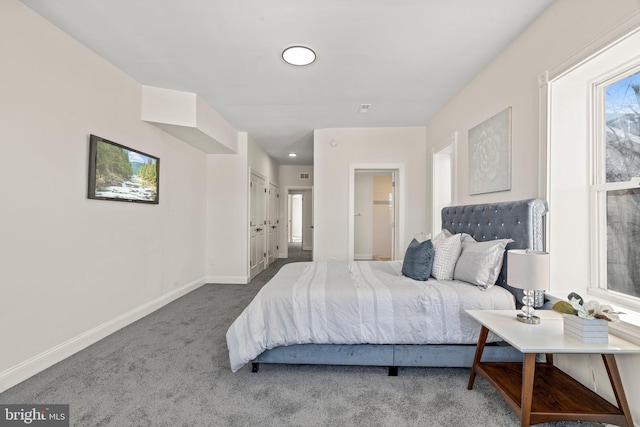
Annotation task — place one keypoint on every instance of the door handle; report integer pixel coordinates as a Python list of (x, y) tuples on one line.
[(258, 229)]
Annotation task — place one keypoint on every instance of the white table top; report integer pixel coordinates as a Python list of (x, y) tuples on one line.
[(546, 337)]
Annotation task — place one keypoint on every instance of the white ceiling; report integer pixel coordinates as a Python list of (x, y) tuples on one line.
[(407, 58)]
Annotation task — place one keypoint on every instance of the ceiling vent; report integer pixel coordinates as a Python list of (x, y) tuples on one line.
[(364, 108)]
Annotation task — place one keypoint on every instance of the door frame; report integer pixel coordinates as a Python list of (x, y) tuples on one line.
[(273, 214), (257, 270), (448, 148), (284, 210), (399, 169), (292, 195)]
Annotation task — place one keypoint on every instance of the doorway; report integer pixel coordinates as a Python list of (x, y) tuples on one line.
[(299, 233), (374, 214), (295, 218), (443, 162)]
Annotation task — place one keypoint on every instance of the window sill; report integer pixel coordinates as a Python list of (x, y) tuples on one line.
[(629, 326)]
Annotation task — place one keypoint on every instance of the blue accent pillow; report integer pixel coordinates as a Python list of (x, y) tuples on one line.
[(418, 260)]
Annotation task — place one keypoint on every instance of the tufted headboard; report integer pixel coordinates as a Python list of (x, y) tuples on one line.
[(521, 220)]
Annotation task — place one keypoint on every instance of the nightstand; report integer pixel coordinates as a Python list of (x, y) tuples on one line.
[(540, 392)]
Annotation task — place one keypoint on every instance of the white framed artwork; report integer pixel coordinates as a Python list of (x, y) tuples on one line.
[(490, 154)]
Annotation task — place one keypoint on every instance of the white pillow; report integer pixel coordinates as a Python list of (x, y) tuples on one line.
[(421, 237), (447, 253), (443, 234), (464, 237), (480, 262)]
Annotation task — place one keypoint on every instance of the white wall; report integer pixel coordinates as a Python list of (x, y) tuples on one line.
[(290, 176), (512, 80), (227, 231), (569, 155), (228, 209), (73, 270), (263, 163), (565, 29), (397, 146)]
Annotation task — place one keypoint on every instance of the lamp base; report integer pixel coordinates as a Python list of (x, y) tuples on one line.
[(529, 320)]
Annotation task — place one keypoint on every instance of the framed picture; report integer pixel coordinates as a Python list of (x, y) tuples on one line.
[(120, 173), (490, 154)]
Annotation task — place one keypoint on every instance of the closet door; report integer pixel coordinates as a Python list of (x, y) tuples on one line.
[(257, 226), (273, 222)]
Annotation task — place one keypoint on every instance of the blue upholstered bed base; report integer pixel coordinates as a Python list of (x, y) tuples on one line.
[(387, 355), (522, 221)]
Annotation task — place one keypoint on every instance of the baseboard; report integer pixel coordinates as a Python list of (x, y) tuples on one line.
[(24, 370), (228, 280), (362, 256)]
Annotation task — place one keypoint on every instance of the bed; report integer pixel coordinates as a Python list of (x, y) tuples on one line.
[(369, 313)]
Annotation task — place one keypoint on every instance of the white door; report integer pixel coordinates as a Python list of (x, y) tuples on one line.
[(257, 226), (307, 220), (273, 222), (295, 219), (363, 217)]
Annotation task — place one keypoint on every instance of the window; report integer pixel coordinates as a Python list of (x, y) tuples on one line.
[(591, 175), (616, 185), (592, 225)]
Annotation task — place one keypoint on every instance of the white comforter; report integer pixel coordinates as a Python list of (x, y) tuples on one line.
[(357, 303)]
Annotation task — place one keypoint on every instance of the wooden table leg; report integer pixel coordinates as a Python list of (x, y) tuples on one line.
[(482, 339), (528, 374), (616, 383)]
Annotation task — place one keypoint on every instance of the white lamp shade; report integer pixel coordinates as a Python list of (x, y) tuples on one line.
[(528, 269)]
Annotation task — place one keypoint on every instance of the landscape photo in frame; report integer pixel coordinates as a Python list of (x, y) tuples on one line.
[(121, 173)]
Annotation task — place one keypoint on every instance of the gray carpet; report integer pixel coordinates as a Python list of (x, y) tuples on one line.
[(172, 369)]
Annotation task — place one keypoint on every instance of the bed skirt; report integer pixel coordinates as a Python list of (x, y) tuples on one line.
[(391, 356)]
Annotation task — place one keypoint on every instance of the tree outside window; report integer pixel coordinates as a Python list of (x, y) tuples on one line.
[(618, 181)]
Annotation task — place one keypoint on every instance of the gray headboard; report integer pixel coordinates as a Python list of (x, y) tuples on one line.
[(521, 220)]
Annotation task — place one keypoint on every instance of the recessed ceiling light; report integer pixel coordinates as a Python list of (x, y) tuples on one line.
[(298, 55), (293, 155)]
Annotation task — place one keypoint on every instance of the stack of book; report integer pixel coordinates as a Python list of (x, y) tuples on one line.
[(588, 331)]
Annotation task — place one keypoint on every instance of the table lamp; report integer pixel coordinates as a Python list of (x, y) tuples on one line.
[(528, 270)]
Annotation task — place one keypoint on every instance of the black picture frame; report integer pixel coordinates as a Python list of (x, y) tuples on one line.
[(122, 174)]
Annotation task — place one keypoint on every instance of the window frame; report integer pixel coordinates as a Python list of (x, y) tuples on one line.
[(599, 187)]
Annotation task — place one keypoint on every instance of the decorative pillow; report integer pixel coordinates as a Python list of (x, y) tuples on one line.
[(464, 237), (447, 253), (443, 234), (418, 260), (421, 237), (480, 262)]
